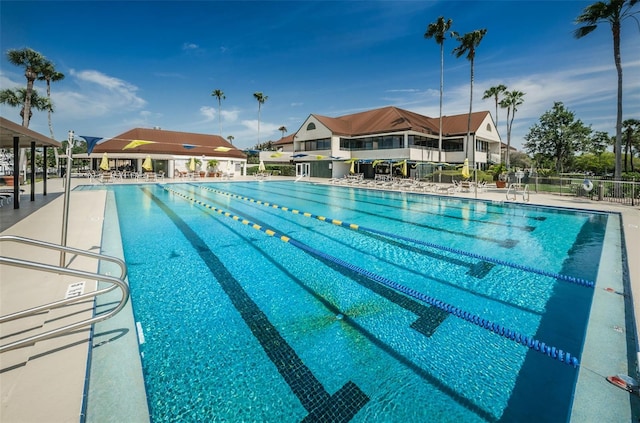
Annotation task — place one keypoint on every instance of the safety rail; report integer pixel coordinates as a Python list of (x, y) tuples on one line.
[(515, 192), (526, 194), (116, 282), (513, 195)]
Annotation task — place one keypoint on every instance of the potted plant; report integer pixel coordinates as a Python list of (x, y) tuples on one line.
[(211, 167), (499, 172)]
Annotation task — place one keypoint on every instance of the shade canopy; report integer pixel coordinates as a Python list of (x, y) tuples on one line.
[(9, 130)]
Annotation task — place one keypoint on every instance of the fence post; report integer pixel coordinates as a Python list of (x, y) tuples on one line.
[(600, 190)]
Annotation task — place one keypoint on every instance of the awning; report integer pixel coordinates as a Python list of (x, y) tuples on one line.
[(9, 130)]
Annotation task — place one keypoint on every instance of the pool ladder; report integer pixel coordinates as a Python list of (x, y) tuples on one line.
[(513, 195), (114, 282)]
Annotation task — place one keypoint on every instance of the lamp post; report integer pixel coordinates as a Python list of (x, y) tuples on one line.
[(67, 183)]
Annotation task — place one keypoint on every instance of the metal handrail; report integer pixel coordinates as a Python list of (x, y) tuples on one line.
[(116, 282), (525, 193), (515, 191)]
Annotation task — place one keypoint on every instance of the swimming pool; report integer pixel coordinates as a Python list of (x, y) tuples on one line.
[(282, 301)]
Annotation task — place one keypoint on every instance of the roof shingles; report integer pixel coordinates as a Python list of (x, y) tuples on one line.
[(170, 142), (393, 119)]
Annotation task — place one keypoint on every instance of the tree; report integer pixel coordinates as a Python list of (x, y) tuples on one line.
[(631, 129), (33, 63), (231, 138), (438, 30), (494, 92), (261, 99), (597, 143), (283, 129), (613, 12), (18, 97), (220, 96), (520, 160), (556, 137), (469, 42), (511, 101), (49, 74)]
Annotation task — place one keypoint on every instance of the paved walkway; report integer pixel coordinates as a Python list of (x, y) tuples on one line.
[(46, 382)]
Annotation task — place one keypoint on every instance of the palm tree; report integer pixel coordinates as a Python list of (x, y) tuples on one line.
[(613, 12), (437, 30), (231, 138), (220, 96), (49, 74), (468, 44), (261, 99), (18, 98), (33, 63), (511, 101), (631, 133), (283, 129), (494, 92)]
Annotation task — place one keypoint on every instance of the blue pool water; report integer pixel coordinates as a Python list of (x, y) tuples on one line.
[(290, 317)]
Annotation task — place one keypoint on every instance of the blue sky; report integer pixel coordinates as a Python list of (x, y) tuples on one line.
[(155, 63)]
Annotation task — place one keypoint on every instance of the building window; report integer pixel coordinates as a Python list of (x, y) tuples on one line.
[(456, 144), (425, 142), (372, 143), (313, 145), (482, 145), (311, 126), (488, 127)]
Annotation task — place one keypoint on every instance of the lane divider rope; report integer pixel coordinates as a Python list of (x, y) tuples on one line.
[(529, 342), (356, 227)]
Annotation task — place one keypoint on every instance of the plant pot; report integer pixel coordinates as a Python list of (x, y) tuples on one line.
[(501, 184)]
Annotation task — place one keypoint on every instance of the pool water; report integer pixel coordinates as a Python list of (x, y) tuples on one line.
[(257, 301)]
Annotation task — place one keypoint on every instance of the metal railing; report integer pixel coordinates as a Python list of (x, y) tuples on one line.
[(512, 193), (622, 192), (115, 282)]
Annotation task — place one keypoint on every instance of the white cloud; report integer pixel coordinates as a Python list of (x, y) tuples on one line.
[(208, 112), (229, 115), (189, 46), (97, 94)]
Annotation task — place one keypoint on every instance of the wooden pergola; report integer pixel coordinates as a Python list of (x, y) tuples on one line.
[(14, 136)]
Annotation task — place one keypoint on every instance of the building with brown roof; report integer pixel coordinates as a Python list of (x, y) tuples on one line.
[(326, 145), (170, 151)]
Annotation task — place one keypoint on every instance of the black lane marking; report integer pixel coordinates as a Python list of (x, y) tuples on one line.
[(424, 324), (478, 270), (341, 406)]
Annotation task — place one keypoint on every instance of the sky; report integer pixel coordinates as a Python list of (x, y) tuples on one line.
[(155, 63)]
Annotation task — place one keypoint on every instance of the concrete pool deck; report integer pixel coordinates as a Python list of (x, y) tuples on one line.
[(46, 381)]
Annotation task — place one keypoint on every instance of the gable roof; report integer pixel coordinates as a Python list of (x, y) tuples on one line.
[(457, 124), (393, 119), (285, 140), (170, 142)]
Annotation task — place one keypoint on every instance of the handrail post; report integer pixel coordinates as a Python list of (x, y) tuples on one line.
[(65, 217)]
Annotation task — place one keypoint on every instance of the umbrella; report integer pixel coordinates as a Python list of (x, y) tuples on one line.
[(192, 164), (465, 169), (261, 167), (146, 165), (104, 163), (404, 168)]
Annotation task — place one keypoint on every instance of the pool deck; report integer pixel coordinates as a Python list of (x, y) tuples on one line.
[(46, 381)]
